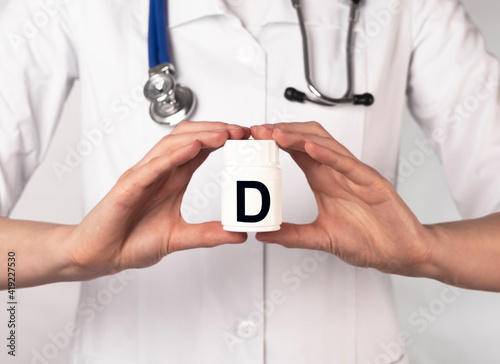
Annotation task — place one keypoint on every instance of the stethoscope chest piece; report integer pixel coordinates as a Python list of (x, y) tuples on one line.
[(171, 103)]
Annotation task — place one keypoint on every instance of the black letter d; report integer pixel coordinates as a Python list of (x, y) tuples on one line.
[(240, 201)]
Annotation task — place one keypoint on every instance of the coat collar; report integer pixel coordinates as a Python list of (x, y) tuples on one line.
[(184, 11)]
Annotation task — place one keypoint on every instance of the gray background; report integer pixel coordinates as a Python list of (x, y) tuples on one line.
[(466, 331)]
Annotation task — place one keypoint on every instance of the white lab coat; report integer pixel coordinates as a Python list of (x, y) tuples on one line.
[(250, 303)]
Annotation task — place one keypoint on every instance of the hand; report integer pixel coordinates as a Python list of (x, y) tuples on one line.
[(139, 221), (361, 218)]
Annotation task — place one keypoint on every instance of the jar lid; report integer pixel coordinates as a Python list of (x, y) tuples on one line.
[(251, 153)]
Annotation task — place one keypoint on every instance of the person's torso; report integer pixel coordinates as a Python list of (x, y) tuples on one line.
[(250, 303)]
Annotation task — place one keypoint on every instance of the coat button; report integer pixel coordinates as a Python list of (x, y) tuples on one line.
[(247, 330)]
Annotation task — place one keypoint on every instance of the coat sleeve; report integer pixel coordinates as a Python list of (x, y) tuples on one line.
[(38, 65), (453, 92)]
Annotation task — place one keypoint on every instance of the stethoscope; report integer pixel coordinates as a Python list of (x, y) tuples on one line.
[(172, 103)]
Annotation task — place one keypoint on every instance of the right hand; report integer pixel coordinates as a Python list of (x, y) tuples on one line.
[(139, 221)]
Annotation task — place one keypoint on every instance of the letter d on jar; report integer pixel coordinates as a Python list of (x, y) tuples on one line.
[(251, 201)]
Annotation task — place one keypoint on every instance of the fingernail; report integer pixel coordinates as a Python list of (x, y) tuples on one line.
[(269, 126), (233, 126), (217, 130)]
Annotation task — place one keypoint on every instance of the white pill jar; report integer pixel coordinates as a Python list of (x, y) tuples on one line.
[(251, 188)]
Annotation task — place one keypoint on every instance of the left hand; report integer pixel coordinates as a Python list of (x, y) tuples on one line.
[(139, 221), (361, 218)]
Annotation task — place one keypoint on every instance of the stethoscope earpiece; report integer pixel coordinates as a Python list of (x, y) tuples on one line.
[(292, 94), (366, 99)]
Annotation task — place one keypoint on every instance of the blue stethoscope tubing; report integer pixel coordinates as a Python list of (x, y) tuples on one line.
[(158, 46), (171, 102)]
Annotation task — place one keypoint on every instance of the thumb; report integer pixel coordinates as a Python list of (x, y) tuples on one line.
[(206, 235), (296, 236)]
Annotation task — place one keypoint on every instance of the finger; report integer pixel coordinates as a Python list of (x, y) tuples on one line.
[(297, 141), (247, 134), (262, 132), (194, 164), (209, 140), (294, 143), (309, 127), (186, 171), (206, 235), (134, 181), (348, 166), (236, 131), (200, 132), (265, 132), (195, 126), (297, 236)]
